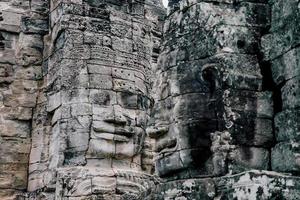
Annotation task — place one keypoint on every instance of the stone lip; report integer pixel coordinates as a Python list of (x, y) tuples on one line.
[(113, 137), (165, 146)]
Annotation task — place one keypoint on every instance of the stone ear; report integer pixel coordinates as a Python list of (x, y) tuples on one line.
[(2, 45), (211, 75)]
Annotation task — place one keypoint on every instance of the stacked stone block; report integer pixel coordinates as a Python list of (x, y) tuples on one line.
[(22, 26), (281, 49)]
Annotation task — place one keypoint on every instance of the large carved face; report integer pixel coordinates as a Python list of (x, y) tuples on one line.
[(120, 105), (119, 118), (185, 116)]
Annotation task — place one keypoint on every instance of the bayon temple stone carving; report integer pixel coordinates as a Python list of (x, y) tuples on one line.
[(127, 99)]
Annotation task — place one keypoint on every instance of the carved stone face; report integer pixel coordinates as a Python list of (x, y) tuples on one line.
[(190, 99), (118, 124)]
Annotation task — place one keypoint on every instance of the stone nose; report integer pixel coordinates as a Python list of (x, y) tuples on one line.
[(120, 119), (156, 132), (116, 117)]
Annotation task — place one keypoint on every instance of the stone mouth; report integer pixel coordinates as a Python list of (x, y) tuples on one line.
[(117, 132), (114, 136), (167, 145), (157, 132)]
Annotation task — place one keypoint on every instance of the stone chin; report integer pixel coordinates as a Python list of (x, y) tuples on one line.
[(173, 162), (103, 148)]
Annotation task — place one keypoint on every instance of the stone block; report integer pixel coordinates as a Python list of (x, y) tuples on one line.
[(265, 105), (256, 184), (102, 185), (75, 81), (76, 51), (15, 128), (6, 70), (103, 97), (74, 36), (12, 157), (238, 71), (56, 147), (125, 150), (11, 21), (11, 194), (286, 66), (78, 187), (249, 130), (169, 163), (123, 74), (29, 51), (60, 113), (77, 141), (74, 96), (16, 113), (232, 39), (247, 158), (93, 38), (285, 157), (40, 136), (40, 6), (122, 44), (101, 112), (121, 85), (80, 123), (38, 154), (24, 86), (8, 57), (255, 104), (98, 81), (28, 73), (282, 13), (98, 25), (103, 53), (16, 146), (54, 101), (184, 189), (74, 158), (127, 100), (23, 100), (34, 26), (142, 86), (99, 69), (287, 126), (105, 148), (35, 182), (14, 179), (281, 41), (193, 106), (291, 94)]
